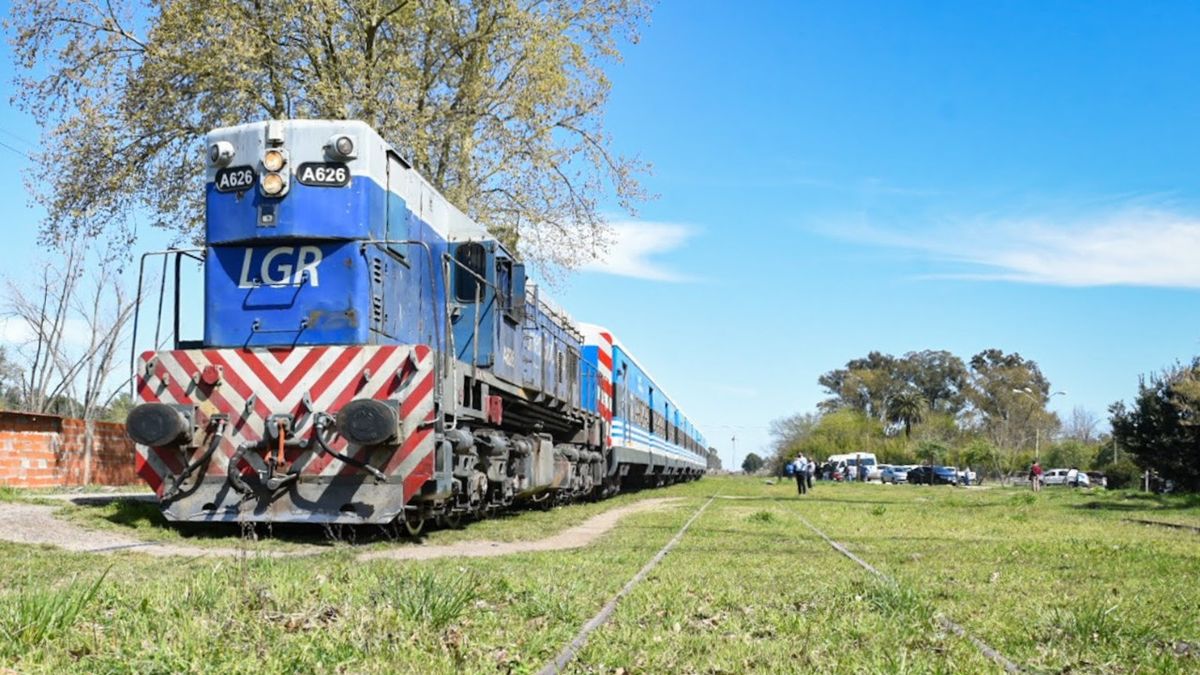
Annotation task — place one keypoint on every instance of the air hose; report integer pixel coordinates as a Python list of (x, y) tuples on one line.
[(320, 422)]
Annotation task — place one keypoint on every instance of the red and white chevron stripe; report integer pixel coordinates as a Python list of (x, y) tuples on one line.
[(254, 384), (604, 375)]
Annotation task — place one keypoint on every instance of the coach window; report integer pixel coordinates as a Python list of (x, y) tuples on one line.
[(471, 268)]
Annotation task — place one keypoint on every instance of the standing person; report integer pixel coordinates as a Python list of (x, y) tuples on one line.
[(799, 468), (1073, 477), (1035, 476), (812, 469)]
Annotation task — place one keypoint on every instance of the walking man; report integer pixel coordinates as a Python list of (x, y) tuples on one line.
[(1035, 476)]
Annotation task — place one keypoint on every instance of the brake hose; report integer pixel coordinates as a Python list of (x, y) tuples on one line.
[(319, 423)]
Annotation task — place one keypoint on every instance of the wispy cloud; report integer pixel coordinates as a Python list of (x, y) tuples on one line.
[(1133, 246), (636, 248)]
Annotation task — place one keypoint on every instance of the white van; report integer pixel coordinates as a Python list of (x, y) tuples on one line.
[(851, 462)]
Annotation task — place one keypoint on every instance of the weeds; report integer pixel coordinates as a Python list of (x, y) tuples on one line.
[(896, 601), (433, 600), (878, 510), (32, 617), (1022, 499), (762, 517)]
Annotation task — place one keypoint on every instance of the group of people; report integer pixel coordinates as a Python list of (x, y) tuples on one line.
[(802, 469), (1035, 476)]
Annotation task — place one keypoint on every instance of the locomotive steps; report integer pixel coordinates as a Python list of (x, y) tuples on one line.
[(37, 524)]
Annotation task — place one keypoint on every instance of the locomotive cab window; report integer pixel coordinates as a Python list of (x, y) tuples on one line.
[(471, 268), (504, 279)]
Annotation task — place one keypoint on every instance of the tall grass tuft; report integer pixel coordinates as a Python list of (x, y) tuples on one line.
[(762, 517), (896, 601), (1096, 622), (30, 618), (431, 600), (1021, 498), (9, 494)]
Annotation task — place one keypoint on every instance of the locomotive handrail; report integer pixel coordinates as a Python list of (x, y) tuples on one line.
[(137, 302)]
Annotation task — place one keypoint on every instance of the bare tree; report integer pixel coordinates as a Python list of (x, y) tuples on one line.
[(1081, 426), (77, 321)]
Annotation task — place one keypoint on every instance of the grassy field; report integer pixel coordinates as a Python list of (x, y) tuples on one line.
[(1060, 581)]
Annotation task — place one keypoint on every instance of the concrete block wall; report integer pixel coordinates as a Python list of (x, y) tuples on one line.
[(39, 451)]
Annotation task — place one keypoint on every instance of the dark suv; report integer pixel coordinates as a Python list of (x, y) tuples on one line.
[(938, 475)]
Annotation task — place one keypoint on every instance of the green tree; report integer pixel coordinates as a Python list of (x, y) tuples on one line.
[(752, 463), (940, 376), (11, 377), (1162, 428), (864, 385), (931, 454), (1071, 453), (869, 383), (907, 408), (1008, 394), (499, 103)]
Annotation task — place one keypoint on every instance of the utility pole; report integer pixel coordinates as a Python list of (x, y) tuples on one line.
[(1040, 404), (735, 464)]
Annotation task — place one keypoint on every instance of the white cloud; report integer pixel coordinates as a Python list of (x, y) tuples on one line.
[(635, 247), (17, 332), (1128, 247)]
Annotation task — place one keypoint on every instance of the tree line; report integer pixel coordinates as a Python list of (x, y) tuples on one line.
[(990, 412)]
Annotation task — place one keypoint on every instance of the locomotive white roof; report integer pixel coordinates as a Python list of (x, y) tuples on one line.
[(305, 137)]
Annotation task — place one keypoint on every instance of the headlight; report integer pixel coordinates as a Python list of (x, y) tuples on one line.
[(220, 153), (274, 160), (341, 146), (272, 184)]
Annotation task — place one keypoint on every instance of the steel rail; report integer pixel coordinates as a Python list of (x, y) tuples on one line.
[(572, 650), (988, 651)]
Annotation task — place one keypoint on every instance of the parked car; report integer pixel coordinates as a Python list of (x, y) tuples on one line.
[(850, 460), (875, 471), (938, 475), (895, 474), (1059, 477)]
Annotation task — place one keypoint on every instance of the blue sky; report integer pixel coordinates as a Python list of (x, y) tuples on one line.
[(840, 177)]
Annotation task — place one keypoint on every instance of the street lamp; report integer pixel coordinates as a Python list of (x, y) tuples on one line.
[(1037, 428), (734, 442)]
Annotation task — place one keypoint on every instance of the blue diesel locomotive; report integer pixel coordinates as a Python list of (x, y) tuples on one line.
[(372, 355)]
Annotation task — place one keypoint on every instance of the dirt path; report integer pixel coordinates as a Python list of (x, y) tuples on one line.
[(36, 524)]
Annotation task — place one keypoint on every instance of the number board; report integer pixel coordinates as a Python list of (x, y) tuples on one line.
[(323, 174), (234, 179)]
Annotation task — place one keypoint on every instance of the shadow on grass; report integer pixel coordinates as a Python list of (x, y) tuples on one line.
[(138, 516), (796, 499), (1143, 502)]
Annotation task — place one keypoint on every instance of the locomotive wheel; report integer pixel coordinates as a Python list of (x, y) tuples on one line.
[(451, 521), (413, 524)]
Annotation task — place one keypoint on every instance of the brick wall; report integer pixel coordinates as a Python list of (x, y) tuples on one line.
[(48, 451)]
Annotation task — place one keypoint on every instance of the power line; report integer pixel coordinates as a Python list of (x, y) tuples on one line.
[(18, 151), (17, 137)]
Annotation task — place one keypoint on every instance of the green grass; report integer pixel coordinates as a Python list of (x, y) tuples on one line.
[(1057, 581), (31, 617)]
